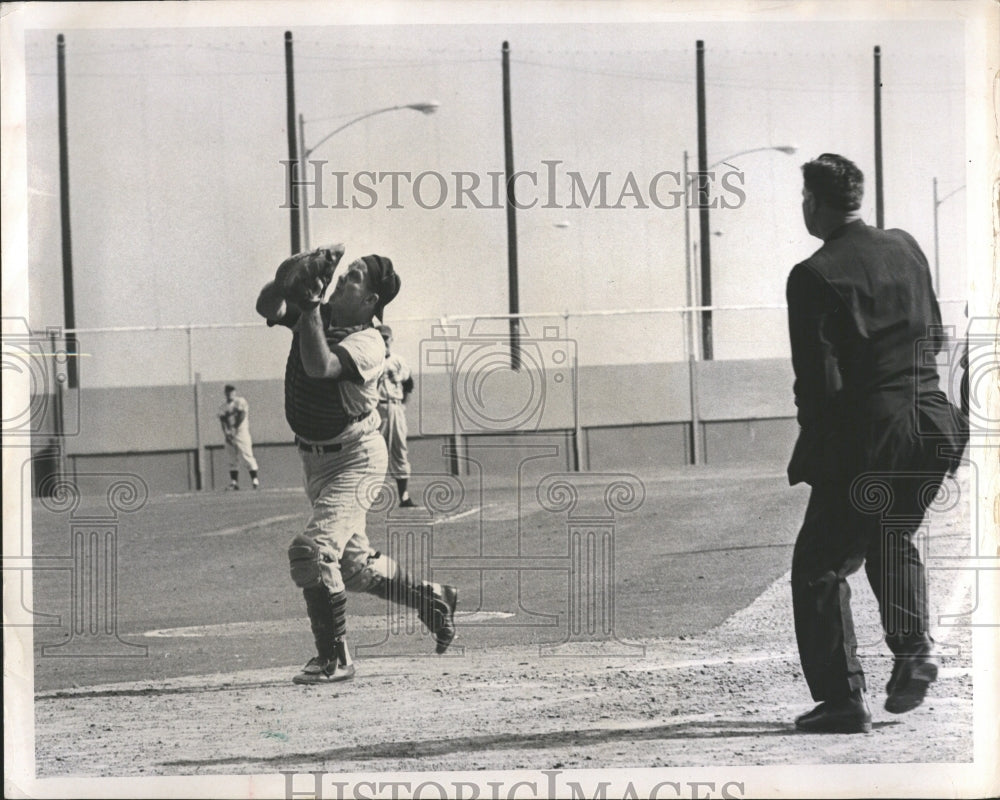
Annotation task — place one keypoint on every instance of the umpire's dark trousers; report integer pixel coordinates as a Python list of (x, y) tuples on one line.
[(874, 525)]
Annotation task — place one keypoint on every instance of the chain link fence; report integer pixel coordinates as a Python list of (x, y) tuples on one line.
[(176, 354)]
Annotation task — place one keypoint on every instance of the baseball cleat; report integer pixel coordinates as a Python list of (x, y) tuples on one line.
[(444, 617), (256, 483), (407, 503), (324, 670)]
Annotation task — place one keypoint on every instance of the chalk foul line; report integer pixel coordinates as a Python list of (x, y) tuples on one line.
[(361, 623)]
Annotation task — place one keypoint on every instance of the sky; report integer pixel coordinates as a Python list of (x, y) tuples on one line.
[(177, 135)]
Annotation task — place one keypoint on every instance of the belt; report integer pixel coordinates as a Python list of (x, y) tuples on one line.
[(387, 402), (318, 449), (323, 449)]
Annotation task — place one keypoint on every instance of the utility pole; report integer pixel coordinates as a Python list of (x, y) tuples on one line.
[(69, 314), (879, 207), (508, 146), (293, 155), (703, 201)]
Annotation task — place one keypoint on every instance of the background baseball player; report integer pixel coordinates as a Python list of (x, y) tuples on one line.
[(236, 428), (394, 389), (331, 393)]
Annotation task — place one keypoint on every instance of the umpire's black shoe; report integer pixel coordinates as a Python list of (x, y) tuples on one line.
[(911, 676), (845, 716), (897, 667)]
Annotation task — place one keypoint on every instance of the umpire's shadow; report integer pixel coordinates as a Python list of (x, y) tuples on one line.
[(463, 745)]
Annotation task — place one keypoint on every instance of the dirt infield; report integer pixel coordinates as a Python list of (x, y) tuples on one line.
[(203, 586), (725, 696), (728, 696)]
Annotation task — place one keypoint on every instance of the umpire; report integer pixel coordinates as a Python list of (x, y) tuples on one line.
[(860, 309)]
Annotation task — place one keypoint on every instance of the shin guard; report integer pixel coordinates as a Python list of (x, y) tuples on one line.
[(327, 617)]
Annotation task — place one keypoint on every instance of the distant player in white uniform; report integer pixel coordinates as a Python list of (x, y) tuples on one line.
[(236, 427), (395, 386)]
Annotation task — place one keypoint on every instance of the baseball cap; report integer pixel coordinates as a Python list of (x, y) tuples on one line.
[(385, 280)]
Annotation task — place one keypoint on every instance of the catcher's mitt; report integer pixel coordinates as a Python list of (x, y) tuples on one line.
[(304, 277)]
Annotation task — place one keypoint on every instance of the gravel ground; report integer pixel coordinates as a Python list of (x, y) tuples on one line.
[(725, 697)]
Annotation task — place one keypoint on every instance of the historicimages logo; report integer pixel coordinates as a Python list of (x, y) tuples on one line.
[(548, 186)]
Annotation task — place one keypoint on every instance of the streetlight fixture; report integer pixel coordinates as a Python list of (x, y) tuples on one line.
[(937, 257), (787, 149), (428, 107), (706, 316)]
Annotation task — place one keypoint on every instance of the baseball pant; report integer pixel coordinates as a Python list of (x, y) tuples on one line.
[(342, 486), (394, 432), (240, 448)]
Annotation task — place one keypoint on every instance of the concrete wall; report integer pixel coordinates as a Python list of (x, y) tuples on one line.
[(170, 471), (135, 420), (635, 395), (752, 441), (625, 417), (627, 447)]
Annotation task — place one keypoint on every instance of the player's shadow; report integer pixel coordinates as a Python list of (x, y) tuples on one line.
[(429, 748)]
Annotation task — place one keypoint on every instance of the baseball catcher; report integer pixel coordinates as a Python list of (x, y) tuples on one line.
[(331, 395)]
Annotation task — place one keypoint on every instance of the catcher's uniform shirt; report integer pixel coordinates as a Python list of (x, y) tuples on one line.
[(321, 409), (338, 412)]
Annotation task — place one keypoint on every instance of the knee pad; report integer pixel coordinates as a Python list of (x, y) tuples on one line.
[(304, 562)]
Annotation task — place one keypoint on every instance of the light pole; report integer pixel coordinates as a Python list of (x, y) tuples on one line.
[(706, 274), (787, 149), (937, 257), (69, 313), (424, 108)]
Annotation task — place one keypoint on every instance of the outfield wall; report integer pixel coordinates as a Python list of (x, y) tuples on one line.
[(596, 418)]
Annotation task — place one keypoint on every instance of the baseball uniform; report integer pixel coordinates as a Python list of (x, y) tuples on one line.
[(393, 412), (233, 414), (344, 461)]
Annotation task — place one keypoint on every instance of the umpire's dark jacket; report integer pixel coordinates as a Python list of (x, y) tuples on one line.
[(861, 314)]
